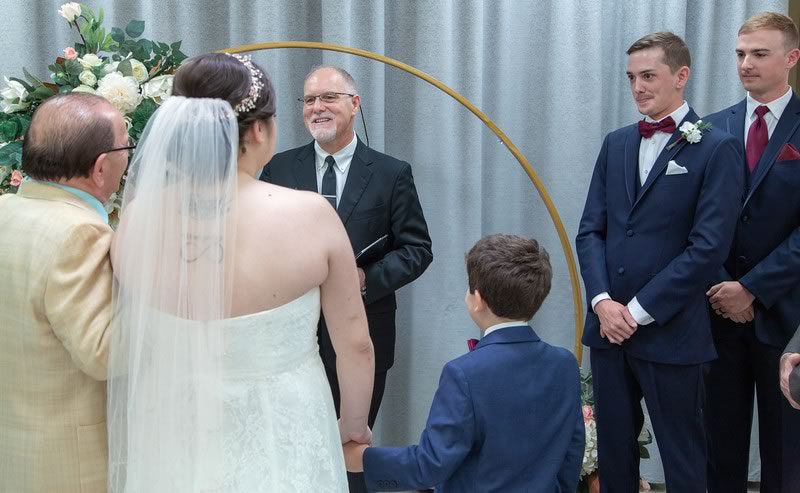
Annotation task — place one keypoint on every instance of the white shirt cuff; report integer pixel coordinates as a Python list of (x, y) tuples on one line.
[(600, 297), (638, 313)]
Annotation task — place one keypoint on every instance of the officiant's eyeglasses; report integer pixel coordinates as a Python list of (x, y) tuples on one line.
[(327, 98)]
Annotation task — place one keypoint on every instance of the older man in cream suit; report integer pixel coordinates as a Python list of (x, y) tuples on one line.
[(55, 298)]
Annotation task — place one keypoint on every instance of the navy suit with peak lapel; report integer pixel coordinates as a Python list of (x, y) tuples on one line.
[(765, 259), (663, 243), (379, 198), (506, 417)]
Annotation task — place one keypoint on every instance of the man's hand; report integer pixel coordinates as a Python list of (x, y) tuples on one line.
[(362, 278), (616, 322), (354, 456), (729, 297), (788, 362), (745, 316)]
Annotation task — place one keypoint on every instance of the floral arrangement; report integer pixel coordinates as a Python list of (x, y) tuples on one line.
[(134, 74), (589, 480)]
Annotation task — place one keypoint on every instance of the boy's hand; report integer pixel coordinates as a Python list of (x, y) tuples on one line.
[(354, 456)]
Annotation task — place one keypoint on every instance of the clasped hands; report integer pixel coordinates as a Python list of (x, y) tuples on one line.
[(731, 300), (616, 322), (354, 443), (787, 363)]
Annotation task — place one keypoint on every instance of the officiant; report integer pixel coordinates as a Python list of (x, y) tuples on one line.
[(375, 197)]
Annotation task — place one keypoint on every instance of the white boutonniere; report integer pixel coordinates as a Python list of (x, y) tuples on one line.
[(691, 132)]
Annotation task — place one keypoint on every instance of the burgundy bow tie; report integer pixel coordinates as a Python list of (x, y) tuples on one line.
[(647, 129), (471, 343)]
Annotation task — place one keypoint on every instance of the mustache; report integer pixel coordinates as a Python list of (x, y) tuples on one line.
[(325, 114)]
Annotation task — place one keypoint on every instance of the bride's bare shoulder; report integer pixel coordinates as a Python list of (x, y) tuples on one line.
[(289, 201)]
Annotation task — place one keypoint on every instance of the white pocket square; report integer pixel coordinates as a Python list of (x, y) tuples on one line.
[(674, 168)]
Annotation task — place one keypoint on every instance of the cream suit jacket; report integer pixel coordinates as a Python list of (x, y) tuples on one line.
[(55, 312)]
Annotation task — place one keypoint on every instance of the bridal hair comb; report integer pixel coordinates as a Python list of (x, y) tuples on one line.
[(249, 102)]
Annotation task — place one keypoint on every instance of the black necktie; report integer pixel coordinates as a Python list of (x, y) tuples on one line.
[(329, 181)]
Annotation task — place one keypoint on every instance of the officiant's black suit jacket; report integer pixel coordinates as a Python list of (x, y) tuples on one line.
[(379, 198)]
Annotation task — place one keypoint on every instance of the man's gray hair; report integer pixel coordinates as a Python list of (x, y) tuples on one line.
[(348, 79)]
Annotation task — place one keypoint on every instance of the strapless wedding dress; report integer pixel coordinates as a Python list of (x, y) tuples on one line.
[(275, 428)]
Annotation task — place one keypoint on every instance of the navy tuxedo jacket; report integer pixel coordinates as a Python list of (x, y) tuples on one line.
[(664, 242), (765, 256), (379, 198), (506, 417)]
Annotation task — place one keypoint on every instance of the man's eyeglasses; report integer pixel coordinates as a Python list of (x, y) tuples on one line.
[(125, 148), (327, 98)]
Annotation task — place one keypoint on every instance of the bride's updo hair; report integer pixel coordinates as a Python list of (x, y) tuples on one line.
[(222, 76)]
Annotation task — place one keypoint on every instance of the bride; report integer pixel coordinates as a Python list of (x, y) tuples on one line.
[(215, 382)]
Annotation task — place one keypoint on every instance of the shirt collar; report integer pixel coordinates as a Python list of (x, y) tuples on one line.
[(775, 106), (342, 157), (677, 115), (86, 197), (503, 325)]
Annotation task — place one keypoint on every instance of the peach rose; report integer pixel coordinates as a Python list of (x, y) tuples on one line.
[(70, 53), (588, 414), (16, 178)]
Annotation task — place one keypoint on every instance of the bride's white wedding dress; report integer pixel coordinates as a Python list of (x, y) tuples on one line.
[(276, 430), (280, 431)]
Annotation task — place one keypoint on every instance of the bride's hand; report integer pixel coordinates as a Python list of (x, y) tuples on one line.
[(355, 433)]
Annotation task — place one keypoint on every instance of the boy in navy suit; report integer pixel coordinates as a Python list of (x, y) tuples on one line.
[(507, 415)]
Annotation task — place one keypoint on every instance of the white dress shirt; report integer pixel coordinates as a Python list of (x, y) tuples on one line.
[(343, 158), (503, 326), (649, 150), (776, 108)]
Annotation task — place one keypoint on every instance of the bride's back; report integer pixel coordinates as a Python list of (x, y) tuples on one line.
[(281, 246)]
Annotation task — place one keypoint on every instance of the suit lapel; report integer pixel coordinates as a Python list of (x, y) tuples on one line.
[(357, 178), (305, 172), (786, 127), (631, 163), (666, 155)]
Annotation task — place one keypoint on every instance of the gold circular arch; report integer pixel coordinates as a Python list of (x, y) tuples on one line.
[(537, 182)]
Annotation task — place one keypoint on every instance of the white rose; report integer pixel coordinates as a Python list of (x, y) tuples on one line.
[(686, 127), (122, 92), (14, 95), (110, 67), (70, 11), (158, 88), (138, 70), (90, 60), (88, 78), (694, 136), (83, 88)]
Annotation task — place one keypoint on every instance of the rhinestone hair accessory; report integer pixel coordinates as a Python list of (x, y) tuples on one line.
[(249, 102)]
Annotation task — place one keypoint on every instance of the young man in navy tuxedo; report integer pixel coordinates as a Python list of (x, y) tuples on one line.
[(657, 225), (756, 297), (507, 415)]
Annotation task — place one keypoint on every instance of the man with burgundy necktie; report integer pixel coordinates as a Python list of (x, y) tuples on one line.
[(657, 225), (756, 298)]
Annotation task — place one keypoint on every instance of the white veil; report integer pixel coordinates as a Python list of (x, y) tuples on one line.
[(173, 262)]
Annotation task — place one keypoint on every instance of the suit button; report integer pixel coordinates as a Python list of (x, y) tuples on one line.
[(742, 259), (745, 218), (629, 232), (621, 271)]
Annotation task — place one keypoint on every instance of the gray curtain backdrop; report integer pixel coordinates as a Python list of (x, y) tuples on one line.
[(551, 74)]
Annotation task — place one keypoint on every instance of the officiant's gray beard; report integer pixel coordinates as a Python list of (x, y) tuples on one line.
[(324, 135)]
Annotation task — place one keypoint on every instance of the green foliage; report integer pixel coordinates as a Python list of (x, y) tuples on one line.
[(140, 117), (117, 45), (11, 154)]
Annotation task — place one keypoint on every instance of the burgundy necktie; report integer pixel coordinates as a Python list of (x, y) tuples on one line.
[(471, 343), (757, 138), (647, 129)]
